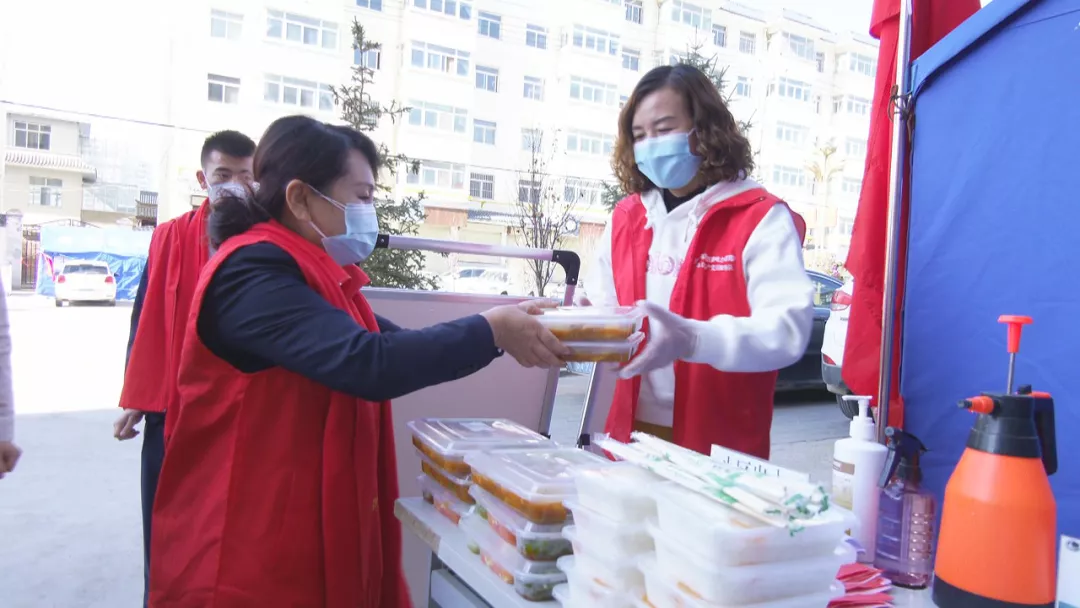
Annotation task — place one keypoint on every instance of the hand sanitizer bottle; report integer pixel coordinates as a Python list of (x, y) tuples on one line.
[(857, 464)]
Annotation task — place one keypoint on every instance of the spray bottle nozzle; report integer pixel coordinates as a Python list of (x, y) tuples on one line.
[(903, 459)]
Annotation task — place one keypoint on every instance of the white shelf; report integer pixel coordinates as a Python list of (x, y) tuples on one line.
[(449, 544)]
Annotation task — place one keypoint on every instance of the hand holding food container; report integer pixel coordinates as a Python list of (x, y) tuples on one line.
[(596, 334)]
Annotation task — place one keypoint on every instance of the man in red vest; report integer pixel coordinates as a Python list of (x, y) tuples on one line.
[(713, 258), (178, 251)]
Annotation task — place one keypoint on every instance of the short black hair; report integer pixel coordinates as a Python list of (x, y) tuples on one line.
[(229, 143)]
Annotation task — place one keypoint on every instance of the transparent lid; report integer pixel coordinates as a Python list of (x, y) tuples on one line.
[(443, 495), (454, 479), (536, 475), (455, 437), (506, 555), (513, 520), (593, 315), (600, 348)]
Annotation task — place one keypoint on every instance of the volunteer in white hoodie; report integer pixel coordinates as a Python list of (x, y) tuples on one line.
[(715, 261)]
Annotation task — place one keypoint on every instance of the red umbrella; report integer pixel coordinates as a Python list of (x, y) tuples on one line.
[(931, 21)]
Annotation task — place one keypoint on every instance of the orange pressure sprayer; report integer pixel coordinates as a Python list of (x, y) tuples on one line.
[(997, 547)]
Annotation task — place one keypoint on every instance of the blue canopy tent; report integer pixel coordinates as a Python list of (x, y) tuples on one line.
[(125, 251), (993, 229)]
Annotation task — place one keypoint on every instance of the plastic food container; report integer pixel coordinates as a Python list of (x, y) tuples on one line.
[(442, 499), (603, 565), (459, 486), (592, 323), (587, 593), (725, 537), (602, 352), (534, 542), (741, 585), (533, 482), (663, 593), (445, 441), (602, 534), (533, 581), (621, 491)]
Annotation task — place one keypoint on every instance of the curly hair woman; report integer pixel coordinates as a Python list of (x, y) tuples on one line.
[(713, 258)]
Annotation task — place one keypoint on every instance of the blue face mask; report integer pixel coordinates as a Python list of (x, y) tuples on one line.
[(667, 160), (361, 232)]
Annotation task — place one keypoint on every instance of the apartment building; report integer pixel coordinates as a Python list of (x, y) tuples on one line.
[(494, 84)]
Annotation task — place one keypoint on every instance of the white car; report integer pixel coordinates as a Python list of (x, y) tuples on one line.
[(85, 281), (487, 280), (832, 346)]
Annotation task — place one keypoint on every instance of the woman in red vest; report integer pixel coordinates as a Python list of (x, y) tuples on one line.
[(279, 478), (714, 259)]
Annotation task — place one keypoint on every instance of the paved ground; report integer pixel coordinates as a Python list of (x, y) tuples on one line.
[(70, 533)]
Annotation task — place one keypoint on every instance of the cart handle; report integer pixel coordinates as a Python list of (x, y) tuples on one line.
[(570, 261)]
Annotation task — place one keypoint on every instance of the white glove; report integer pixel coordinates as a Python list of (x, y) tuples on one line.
[(671, 338)]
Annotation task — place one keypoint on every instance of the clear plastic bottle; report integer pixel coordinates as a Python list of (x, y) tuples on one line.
[(905, 530)]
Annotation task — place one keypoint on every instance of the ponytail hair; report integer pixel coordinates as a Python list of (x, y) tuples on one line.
[(292, 148)]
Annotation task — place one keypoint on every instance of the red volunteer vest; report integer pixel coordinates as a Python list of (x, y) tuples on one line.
[(178, 251), (276, 491), (733, 410)]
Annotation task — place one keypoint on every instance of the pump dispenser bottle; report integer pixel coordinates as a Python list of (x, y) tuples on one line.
[(857, 465), (905, 530)]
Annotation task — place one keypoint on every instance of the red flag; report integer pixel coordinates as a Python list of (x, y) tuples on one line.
[(931, 21)]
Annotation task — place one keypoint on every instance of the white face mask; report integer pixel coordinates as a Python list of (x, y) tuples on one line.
[(361, 232)]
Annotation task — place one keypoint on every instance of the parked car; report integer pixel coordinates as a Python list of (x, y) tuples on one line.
[(85, 281), (832, 348), (487, 280), (806, 372)]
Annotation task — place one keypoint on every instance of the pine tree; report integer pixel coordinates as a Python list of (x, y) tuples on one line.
[(386, 268), (612, 194)]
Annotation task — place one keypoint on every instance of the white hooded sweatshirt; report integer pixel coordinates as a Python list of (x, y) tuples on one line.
[(775, 334)]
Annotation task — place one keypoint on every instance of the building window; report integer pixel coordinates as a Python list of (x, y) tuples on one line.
[(440, 59), (719, 35), (742, 87), (375, 5), (584, 142), (490, 25), (791, 134), (436, 116), (592, 91), (482, 186), (800, 46), (223, 89), (851, 105), (534, 88), (851, 185), (747, 43), (536, 36), (484, 132), (460, 8), (793, 89), (296, 92), (225, 25), (631, 59), (45, 191), (845, 226), (633, 11), (371, 59), (855, 147), (448, 176), (581, 192), (690, 14), (861, 64), (819, 58), (596, 40), (789, 176), (487, 79), (32, 136), (531, 139), (299, 29), (528, 191)]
